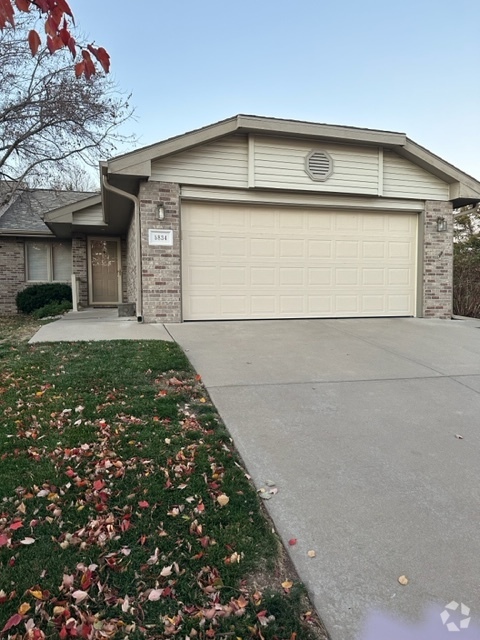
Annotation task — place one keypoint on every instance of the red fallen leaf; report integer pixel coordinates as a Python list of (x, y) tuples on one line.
[(16, 525), (143, 504), (12, 561), (142, 539), (12, 622), (98, 484), (198, 377), (70, 473), (63, 633), (33, 41), (292, 541), (3, 540)]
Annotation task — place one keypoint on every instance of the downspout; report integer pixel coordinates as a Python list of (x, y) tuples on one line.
[(138, 243)]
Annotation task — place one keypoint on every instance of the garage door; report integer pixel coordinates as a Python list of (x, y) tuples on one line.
[(272, 262)]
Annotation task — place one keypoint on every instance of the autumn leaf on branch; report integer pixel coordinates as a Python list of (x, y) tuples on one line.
[(58, 18)]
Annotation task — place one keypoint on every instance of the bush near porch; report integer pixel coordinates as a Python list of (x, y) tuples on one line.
[(37, 296)]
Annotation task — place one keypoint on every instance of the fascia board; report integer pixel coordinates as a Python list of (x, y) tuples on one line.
[(337, 133), (65, 214), (180, 143), (436, 165)]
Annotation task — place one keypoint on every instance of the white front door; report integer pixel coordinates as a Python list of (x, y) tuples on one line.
[(104, 271)]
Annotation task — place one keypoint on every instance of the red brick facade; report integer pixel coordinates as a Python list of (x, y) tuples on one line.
[(161, 266)]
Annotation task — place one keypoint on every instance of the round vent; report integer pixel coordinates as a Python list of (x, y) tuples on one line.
[(319, 165)]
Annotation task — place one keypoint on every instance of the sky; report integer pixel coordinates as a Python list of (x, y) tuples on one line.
[(411, 66)]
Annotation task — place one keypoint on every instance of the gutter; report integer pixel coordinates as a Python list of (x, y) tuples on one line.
[(138, 243)]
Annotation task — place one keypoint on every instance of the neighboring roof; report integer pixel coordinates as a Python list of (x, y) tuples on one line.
[(138, 163), (25, 213)]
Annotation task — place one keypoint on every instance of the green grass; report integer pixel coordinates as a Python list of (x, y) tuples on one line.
[(113, 460)]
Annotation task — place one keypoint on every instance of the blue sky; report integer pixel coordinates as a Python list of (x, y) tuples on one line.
[(409, 66)]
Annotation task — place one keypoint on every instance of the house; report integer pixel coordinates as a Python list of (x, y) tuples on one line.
[(29, 251), (255, 217)]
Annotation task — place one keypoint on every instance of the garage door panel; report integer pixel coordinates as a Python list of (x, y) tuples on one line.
[(265, 262), (347, 249)]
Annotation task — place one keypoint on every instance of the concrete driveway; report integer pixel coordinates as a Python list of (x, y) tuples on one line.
[(357, 423)]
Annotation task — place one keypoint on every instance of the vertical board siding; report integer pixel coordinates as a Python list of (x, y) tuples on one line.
[(403, 179), (280, 163), (91, 215), (221, 163)]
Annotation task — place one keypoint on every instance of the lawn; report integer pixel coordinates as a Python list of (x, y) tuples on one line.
[(125, 509)]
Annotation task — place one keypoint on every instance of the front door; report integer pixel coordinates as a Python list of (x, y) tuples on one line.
[(105, 272)]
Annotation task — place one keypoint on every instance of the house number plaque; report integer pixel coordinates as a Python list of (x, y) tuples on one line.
[(160, 237)]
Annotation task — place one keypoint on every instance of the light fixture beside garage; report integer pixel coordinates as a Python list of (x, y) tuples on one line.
[(161, 211), (319, 165), (441, 224)]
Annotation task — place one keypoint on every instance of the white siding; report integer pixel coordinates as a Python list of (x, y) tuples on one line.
[(280, 164), (403, 179), (220, 163), (91, 215)]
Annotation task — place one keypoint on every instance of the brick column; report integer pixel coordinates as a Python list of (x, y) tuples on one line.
[(438, 261), (161, 267), (80, 266), (12, 273)]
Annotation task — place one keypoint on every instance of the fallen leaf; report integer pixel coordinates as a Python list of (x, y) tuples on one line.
[(155, 594), (3, 540), (79, 596), (12, 622), (458, 436), (292, 542), (223, 500), (98, 484), (143, 504), (166, 571), (23, 608), (311, 553), (27, 541), (403, 580), (16, 525), (287, 584)]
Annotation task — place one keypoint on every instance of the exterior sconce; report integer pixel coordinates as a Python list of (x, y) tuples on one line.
[(441, 224), (161, 211)]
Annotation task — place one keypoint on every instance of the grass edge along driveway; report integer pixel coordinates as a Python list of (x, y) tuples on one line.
[(125, 510)]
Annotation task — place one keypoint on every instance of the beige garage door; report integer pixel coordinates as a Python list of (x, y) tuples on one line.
[(273, 262)]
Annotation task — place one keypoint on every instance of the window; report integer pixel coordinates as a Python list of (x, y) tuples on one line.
[(48, 262)]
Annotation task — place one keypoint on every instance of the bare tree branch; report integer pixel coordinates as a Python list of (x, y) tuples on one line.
[(48, 117)]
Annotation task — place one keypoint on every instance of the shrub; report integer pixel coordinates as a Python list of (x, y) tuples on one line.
[(52, 309), (39, 295)]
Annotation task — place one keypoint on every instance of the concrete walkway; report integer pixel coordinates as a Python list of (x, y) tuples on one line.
[(371, 431), (98, 324)]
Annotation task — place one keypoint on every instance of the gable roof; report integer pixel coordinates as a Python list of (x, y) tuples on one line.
[(25, 212), (464, 188)]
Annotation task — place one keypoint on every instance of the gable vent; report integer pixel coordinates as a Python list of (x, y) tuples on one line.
[(319, 165)]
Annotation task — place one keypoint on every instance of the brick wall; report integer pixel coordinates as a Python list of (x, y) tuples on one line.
[(12, 273), (438, 261), (161, 270), (79, 266)]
